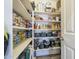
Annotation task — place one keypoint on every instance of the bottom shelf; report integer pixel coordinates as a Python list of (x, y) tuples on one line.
[(18, 50), (58, 56), (49, 51)]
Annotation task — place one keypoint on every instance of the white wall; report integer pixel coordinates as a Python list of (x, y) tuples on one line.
[(8, 26)]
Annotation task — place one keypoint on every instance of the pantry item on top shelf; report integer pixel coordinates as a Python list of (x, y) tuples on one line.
[(53, 10), (49, 18), (53, 19), (48, 9), (58, 4), (57, 18), (41, 6), (33, 5), (36, 7)]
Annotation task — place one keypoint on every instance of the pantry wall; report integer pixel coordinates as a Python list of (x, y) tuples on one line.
[(36, 29)]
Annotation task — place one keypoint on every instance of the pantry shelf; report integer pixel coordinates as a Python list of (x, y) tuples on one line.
[(20, 9), (40, 12), (46, 21), (49, 48), (49, 29), (48, 51), (46, 37), (55, 13), (48, 13), (18, 50), (23, 28)]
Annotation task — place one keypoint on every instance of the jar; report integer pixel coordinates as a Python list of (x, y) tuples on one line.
[(37, 34), (41, 45), (57, 18), (43, 34), (52, 42), (49, 34), (46, 44)]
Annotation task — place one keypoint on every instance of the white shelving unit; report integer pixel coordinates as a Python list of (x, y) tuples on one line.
[(21, 7), (50, 50), (23, 28), (19, 49)]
